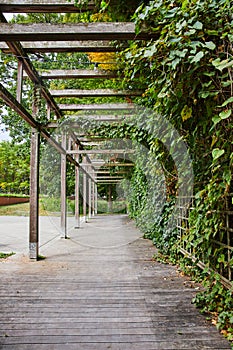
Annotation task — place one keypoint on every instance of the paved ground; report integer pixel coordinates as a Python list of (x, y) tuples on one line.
[(98, 290), (14, 232)]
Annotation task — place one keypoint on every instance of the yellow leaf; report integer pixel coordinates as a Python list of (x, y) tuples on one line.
[(186, 113)]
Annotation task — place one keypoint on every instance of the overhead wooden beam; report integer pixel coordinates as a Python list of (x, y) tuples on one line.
[(112, 164), (66, 46), (18, 51), (109, 177), (70, 31), (11, 101), (77, 74), (93, 107), (101, 151), (94, 93), (42, 6)]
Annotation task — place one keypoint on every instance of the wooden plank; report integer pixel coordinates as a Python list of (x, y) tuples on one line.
[(17, 50), (69, 32), (95, 298), (93, 107), (34, 195), (77, 74), (42, 6), (63, 188), (19, 81), (101, 151), (94, 93), (66, 46)]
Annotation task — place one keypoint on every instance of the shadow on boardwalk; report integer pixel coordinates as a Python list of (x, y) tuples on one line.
[(100, 290)]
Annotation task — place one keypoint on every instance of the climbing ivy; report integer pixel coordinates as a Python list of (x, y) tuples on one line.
[(187, 75)]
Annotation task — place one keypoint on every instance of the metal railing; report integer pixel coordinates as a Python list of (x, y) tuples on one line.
[(222, 243)]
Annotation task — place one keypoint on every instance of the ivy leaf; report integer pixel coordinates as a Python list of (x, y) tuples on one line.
[(220, 65), (217, 153), (210, 45), (186, 113), (198, 25), (229, 100), (225, 114), (197, 57), (227, 176)]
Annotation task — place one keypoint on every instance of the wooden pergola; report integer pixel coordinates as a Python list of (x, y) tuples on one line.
[(23, 39)]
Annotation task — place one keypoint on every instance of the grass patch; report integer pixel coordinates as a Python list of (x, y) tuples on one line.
[(6, 255)]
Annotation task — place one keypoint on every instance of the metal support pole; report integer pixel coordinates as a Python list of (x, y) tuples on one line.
[(63, 189), (77, 216)]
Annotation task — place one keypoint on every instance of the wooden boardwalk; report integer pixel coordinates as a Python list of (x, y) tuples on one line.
[(100, 290)]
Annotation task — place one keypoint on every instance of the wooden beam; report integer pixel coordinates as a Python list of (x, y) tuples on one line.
[(101, 151), (77, 74), (19, 82), (111, 164), (66, 46), (34, 184), (17, 50), (42, 6), (109, 177), (94, 93), (93, 107), (63, 189), (70, 31), (11, 101)]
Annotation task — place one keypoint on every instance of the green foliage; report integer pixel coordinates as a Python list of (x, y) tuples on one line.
[(5, 255), (14, 167), (217, 301)]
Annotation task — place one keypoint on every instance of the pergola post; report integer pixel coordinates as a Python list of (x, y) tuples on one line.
[(63, 189), (84, 191), (93, 198), (96, 199), (34, 184), (77, 216), (89, 197), (19, 81)]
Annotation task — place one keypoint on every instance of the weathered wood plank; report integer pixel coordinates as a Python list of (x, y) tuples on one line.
[(101, 151), (93, 107), (77, 74), (91, 298), (42, 6), (64, 32), (66, 46), (94, 93)]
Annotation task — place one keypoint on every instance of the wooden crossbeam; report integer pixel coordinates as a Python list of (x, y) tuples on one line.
[(93, 93), (42, 6), (66, 46), (69, 32), (101, 151), (112, 164), (77, 74), (17, 49), (11, 101), (109, 177), (93, 107)]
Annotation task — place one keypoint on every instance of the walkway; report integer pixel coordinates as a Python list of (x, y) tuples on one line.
[(100, 290)]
